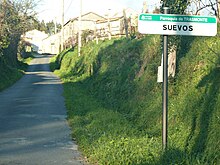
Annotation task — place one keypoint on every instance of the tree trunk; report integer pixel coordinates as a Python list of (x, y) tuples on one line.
[(10, 53)]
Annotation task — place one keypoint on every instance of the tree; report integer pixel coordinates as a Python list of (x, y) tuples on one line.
[(218, 9), (42, 26), (17, 17), (48, 27), (211, 6), (156, 10), (51, 27), (176, 7)]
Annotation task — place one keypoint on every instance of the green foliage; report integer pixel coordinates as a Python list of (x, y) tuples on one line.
[(105, 107), (16, 18), (114, 102), (175, 7), (10, 75), (48, 27), (85, 34), (196, 100), (55, 62)]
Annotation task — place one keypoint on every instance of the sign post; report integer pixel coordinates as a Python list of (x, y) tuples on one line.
[(170, 24), (165, 88)]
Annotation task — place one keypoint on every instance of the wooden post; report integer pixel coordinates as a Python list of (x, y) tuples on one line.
[(109, 26), (125, 23)]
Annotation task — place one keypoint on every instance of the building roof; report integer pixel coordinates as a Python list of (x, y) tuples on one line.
[(110, 20), (90, 16), (129, 13)]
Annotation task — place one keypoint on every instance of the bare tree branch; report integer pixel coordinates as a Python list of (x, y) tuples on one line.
[(205, 6)]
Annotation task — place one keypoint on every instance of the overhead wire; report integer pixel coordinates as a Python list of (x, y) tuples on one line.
[(69, 6)]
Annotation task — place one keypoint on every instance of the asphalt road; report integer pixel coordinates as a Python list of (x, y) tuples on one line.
[(33, 126)]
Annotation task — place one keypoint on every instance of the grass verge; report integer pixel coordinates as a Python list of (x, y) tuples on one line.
[(114, 102), (9, 75)]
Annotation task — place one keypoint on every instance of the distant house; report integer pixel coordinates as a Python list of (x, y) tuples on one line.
[(71, 28), (35, 38), (116, 23), (52, 44), (92, 22)]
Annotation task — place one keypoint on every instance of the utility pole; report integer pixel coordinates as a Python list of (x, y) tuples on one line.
[(55, 25), (125, 23), (80, 29), (62, 22), (96, 37), (109, 25)]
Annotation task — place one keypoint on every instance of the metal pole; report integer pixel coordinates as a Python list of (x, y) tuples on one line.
[(80, 30), (165, 87)]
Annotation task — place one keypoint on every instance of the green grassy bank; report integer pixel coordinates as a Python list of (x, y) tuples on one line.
[(9, 75), (114, 101)]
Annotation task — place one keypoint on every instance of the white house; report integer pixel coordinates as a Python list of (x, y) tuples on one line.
[(89, 21), (52, 44), (116, 23), (35, 38), (71, 28)]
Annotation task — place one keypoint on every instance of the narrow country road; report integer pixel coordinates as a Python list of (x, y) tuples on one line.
[(33, 127)]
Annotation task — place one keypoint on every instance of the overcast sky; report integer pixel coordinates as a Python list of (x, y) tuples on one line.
[(51, 9)]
